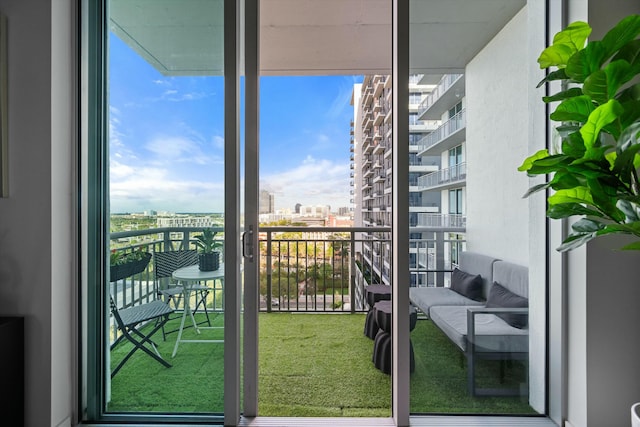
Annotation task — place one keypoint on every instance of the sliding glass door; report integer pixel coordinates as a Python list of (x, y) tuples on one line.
[(163, 310)]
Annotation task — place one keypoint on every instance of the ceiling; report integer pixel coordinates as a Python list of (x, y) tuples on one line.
[(311, 37)]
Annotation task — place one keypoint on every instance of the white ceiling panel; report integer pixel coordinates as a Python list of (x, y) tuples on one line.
[(311, 37)]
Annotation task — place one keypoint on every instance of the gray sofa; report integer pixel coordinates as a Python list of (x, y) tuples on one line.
[(470, 262), (475, 326)]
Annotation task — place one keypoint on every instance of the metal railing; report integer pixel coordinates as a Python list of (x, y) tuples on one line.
[(444, 176), (452, 125), (313, 268), (443, 85), (143, 287), (305, 269), (442, 220)]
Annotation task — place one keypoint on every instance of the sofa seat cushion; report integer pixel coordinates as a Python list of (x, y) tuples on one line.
[(492, 334), (425, 298)]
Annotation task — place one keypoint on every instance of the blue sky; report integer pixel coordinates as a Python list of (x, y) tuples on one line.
[(167, 136)]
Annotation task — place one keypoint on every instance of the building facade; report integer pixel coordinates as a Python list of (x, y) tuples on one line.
[(436, 205)]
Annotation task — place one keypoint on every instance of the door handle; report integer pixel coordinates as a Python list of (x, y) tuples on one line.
[(247, 245)]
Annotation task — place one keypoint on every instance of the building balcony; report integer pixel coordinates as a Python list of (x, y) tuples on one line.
[(444, 178), (451, 133), (447, 93), (446, 222), (424, 126), (320, 275), (379, 148)]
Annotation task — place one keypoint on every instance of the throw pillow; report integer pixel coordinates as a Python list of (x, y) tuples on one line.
[(467, 284), (501, 297)]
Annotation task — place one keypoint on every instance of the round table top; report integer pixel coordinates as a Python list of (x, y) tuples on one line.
[(375, 293), (192, 272)]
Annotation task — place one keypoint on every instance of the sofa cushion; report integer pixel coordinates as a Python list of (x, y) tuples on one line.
[(469, 285), (501, 297), (425, 298), (492, 334)]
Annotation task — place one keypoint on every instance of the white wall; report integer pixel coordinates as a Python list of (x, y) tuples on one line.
[(505, 124), (35, 221), (497, 123)]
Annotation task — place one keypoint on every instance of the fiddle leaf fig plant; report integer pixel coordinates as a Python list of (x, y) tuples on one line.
[(594, 169)]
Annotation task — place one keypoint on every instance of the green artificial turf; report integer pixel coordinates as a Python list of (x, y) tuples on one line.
[(310, 365), (319, 365), (439, 382)]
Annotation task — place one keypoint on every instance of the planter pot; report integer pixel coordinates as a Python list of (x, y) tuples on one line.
[(635, 415), (209, 262), (120, 271)]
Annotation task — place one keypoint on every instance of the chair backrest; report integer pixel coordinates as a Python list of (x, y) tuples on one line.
[(165, 263)]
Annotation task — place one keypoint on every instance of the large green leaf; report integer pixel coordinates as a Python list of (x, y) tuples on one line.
[(585, 62), (549, 164), (535, 189), (630, 210), (528, 162), (630, 53), (563, 180), (570, 93), (602, 85), (625, 31), (575, 109), (573, 145), (586, 225), (575, 241), (627, 149), (552, 76), (604, 197), (565, 210), (573, 195), (601, 116), (565, 44)]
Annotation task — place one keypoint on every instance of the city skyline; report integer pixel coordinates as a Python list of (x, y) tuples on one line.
[(166, 138)]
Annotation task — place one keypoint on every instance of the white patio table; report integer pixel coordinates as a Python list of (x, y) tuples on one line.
[(187, 277)]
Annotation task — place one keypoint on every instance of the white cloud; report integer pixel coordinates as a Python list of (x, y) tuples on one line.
[(135, 189), (179, 149), (313, 182)]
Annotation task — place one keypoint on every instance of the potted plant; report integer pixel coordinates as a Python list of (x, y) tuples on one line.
[(209, 256), (594, 169), (125, 264)]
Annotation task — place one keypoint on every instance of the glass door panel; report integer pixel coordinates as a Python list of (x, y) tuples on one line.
[(166, 210), (323, 212), (485, 368)]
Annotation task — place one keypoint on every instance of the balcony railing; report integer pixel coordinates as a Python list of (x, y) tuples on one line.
[(442, 220), (306, 269), (443, 85), (444, 176), (452, 125)]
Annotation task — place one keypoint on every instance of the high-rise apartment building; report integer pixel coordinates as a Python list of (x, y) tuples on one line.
[(436, 173), (266, 202)]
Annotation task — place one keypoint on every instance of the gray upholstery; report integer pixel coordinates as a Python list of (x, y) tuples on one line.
[(470, 262), (425, 298), (492, 334), (513, 277), (475, 263)]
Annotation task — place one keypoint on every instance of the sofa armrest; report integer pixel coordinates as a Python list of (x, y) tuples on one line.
[(473, 311)]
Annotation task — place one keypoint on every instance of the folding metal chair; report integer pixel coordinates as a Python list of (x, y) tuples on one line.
[(129, 320), (165, 263)]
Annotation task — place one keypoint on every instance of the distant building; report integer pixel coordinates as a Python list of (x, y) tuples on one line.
[(297, 208), (318, 211), (344, 211), (266, 202), (187, 221)]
